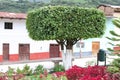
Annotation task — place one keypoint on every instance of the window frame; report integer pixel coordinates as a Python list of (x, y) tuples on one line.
[(8, 25)]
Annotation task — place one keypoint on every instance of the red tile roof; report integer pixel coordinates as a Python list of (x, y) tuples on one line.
[(113, 6), (8, 15)]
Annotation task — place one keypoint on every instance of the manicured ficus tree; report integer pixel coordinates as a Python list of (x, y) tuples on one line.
[(66, 25)]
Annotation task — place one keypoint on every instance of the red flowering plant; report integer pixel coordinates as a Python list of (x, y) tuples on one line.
[(88, 77), (89, 73), (96, 70), (74, 73), (116, 76)]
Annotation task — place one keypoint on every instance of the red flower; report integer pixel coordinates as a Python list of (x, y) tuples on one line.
[(89, 73), (41, 76), (59, 74)]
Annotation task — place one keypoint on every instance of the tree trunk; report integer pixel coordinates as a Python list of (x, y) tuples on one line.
[(68, 55), (63, 54), (63, 57), (68, 59)]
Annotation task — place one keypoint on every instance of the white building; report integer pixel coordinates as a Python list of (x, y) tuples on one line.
[(15, 43), (113, 12)]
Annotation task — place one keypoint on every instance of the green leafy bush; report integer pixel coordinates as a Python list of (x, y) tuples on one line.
[(39, 69), (58, 68), (10, 71), (113, 69), (19, 71), (26, 70), (115, 66)]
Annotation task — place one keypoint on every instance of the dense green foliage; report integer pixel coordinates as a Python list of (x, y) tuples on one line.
[(58, 68), (39, 69), (26, 5), (59, 22), (115, 66), (65, 24), (26, 70)]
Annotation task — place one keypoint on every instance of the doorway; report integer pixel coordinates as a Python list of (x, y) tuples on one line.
[(95, 47), (24, 51), (5, 51), (54, 50)]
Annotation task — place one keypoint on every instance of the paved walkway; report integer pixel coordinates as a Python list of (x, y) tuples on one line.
[(48, 64)]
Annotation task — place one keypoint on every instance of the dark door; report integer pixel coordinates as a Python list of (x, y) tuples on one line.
[(5, 52), (24, 51), (54, 50)]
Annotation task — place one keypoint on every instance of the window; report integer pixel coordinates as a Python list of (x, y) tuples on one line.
[(8, 25), (80, 44)]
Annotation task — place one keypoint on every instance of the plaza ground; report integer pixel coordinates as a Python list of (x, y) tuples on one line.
[(48, 64)]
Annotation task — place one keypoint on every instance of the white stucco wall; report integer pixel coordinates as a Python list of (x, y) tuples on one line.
[(18, 35)]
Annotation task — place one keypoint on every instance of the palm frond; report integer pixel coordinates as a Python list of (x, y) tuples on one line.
[(114, 34), (117, 45), (111, 43), (111, 50), (113, 39), (116, 22)]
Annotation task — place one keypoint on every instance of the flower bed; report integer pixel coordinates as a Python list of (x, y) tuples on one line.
[(74, 73), (89, 73)]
